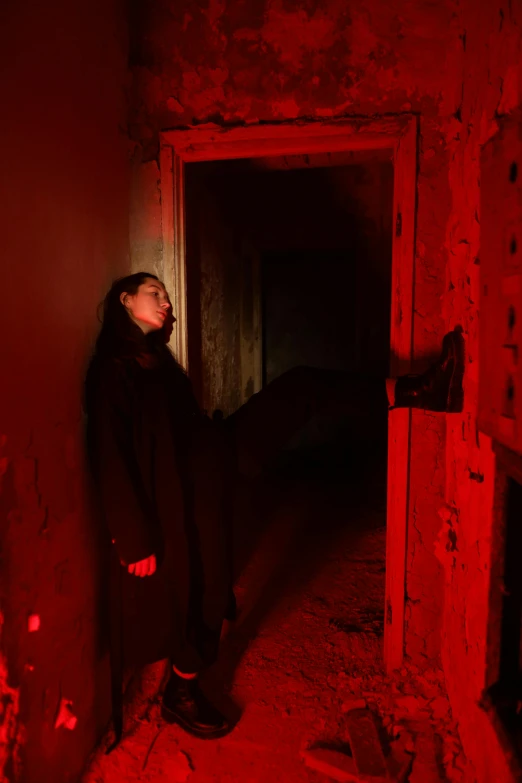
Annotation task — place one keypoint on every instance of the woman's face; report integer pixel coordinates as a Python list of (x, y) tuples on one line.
[(149, 306)]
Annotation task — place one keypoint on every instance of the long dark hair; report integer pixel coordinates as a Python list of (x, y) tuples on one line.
[(119, 335)]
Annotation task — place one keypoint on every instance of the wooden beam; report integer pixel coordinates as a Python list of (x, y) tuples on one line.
[(173, 233), (261, 140), (399, 422)]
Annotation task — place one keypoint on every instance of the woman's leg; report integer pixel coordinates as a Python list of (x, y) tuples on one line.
[(271, 417), (185, 703), (196, 643), (440, 387)]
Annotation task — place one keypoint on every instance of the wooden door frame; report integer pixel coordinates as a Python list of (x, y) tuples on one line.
[(399, 134)]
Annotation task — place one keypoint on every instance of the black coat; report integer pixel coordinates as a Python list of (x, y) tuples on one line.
[(161, 472)]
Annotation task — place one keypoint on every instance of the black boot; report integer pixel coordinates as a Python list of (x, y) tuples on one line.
[(440, 387), (185, 704)]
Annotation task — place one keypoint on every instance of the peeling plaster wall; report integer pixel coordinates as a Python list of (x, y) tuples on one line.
[(64, 233), (230, 62), (489, 75)]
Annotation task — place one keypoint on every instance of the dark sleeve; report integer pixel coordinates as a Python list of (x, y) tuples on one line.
[(116, 474)]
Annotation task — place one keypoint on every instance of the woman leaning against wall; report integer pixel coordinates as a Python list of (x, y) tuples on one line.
[(163, 473)]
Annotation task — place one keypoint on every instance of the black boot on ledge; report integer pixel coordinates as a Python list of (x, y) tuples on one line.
[(185, 703), (440, 387)]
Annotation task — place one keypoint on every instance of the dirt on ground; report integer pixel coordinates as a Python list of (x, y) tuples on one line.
[(305, 651)]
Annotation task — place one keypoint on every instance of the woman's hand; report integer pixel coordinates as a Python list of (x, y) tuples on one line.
[(143, 567)]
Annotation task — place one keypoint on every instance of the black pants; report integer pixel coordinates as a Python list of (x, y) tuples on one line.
[(271, 417)]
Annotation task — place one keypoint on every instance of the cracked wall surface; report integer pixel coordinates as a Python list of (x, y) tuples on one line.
[(64, 228), (11, 730), (490, 78)]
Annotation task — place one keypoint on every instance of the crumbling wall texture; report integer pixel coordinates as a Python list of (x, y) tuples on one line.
[(489, 77), (64, 232), (455, 64)]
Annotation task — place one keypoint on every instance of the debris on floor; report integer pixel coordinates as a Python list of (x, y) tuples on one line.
[(365, 759), (302, 670), (365, 744), (164, 766), (333, 763)]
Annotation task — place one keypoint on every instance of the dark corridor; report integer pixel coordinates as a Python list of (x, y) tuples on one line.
[(309, 301), (289, 264)]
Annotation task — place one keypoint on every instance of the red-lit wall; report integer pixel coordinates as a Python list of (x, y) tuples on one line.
[(64, 236), (490, 75), (456, 64)]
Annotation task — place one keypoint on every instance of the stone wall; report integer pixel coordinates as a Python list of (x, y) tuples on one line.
[(64, 230)]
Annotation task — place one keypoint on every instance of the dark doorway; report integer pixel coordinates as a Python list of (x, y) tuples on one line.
[(309, 236), (289, 260), (309, 310)]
